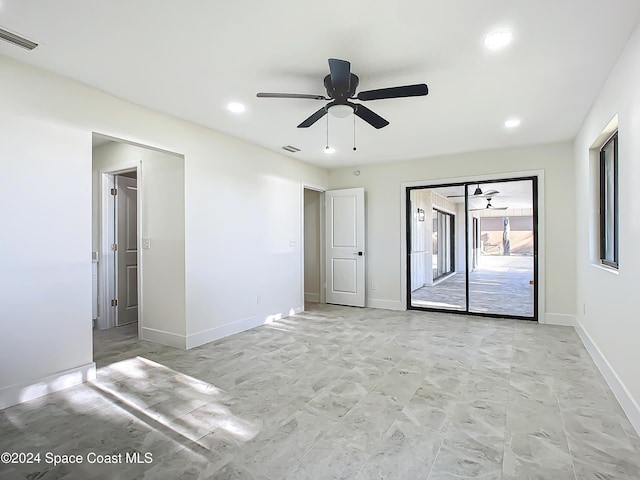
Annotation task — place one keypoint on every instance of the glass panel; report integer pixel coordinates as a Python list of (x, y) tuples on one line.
[(436, 280), (609, 199), (502, 274)]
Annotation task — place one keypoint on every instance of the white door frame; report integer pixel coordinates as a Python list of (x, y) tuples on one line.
[(473, 178), (107, 289), (321, 243)]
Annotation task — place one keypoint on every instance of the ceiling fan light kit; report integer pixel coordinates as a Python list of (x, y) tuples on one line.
[(341, 87), (341, 111)]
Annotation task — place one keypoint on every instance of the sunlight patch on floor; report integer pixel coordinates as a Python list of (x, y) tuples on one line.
[(131, 382)]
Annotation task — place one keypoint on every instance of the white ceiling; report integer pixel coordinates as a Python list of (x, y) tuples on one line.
[(190, 58)]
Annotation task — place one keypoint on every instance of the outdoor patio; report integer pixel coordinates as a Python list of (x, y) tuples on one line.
[(500, 285)]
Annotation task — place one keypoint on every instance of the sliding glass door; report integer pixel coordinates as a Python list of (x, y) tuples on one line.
[(435, 251), (472, 248)]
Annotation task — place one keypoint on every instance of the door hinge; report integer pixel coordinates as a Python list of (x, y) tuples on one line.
[(114, 191), (114, 302), (114, 247)]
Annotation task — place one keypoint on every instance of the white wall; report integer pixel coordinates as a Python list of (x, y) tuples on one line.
[(384, 217), (422, 235), (420, 254), (161, 185), (607, 301), (242, 208), (45, 251), (312, 245)]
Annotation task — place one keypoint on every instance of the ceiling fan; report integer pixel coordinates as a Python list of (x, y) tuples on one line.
[(488, 207), (478, 193), (341, 87)]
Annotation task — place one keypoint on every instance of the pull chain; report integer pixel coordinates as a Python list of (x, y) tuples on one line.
[(327, 147), (354, 131)]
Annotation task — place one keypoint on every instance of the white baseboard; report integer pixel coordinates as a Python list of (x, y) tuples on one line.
[(561, 319), (213, 334), (312, 297), (627, 402), (23, 392), (384, 304), (164, 338)]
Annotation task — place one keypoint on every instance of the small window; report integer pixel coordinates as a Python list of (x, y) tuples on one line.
[(609, 202)]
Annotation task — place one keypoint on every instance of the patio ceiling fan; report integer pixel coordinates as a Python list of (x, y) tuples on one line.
[(478, 193), (488, 207)]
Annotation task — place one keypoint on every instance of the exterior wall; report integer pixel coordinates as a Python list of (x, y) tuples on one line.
[(607, 312)]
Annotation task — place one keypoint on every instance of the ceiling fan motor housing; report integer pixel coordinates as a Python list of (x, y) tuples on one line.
[(341, 95)]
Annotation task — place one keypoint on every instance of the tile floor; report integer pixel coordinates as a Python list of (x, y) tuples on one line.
[(500, 285), (338, 393)]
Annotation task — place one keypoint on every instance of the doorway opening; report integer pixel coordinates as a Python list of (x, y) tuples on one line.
[(313, 254), (116, 237), (153, 233), (472, 248), (443, 260)]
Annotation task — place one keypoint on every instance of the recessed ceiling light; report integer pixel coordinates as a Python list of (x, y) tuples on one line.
[(512, 123), (329, 150), (498, 39), (236, 107)]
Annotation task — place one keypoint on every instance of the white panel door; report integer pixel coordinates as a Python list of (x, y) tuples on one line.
[(345, 247), (127, 252)]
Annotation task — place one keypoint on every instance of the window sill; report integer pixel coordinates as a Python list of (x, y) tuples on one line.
[(606, 268)]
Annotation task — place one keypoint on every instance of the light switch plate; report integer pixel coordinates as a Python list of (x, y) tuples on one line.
[(146, 243)]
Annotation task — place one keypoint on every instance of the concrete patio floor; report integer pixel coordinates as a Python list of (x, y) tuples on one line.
[(500, 285)]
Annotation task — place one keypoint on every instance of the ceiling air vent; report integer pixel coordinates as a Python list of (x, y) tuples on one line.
[(290, 148), (17, 40)]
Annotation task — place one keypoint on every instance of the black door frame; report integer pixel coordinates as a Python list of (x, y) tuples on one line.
[(408, 212)]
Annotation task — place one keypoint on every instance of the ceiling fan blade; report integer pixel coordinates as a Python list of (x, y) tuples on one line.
[(488, 208), (340, 74), (313, 118), (291, 95), (395, 92), (488, 193), (370, 117)]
